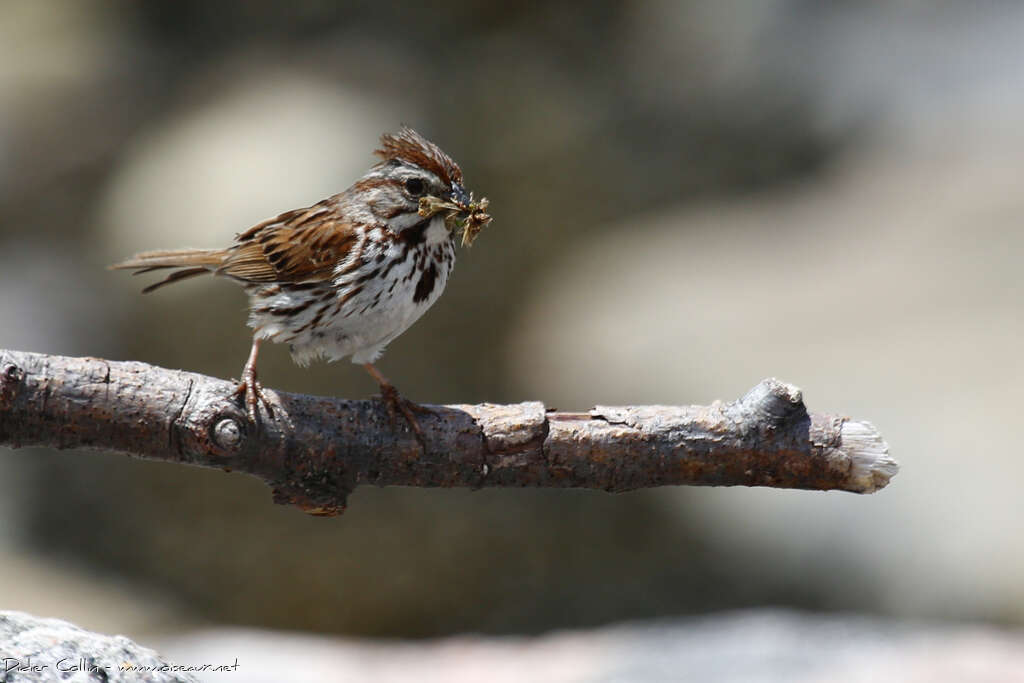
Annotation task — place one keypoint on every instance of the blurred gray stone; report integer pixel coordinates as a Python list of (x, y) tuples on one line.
[(766, 646), (34, 649)]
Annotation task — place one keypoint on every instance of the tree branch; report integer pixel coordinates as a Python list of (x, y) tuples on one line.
[(314, 450)]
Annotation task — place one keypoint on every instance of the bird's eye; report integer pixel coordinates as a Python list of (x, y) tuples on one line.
[(414, 186)]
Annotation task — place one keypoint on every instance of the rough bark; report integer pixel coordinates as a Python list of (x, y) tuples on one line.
[(313, 451)]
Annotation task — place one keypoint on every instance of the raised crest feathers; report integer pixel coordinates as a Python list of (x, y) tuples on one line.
[(408, 145)]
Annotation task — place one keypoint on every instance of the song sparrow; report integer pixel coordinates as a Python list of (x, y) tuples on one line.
[(347, 275)]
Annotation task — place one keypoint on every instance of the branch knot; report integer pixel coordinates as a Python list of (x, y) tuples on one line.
[(228, 433), (777, 403), (10, 381)]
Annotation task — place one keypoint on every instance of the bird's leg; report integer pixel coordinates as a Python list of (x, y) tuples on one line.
[(250, 389), (393, 400)]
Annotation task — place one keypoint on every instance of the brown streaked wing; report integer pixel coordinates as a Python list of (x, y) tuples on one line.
[(303, 245)]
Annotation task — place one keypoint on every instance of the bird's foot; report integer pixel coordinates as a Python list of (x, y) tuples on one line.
[(251, 392), (395, 403)]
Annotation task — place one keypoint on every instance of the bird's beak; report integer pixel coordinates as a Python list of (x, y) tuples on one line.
[(430, 205), (460, 196)]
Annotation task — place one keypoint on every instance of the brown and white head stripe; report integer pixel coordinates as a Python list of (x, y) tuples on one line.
[(409, 146)]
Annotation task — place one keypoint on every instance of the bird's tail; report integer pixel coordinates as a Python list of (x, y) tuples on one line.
[(191, 262)]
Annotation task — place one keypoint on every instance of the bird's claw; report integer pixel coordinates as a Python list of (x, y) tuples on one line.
[(252, 394), (395, 403)]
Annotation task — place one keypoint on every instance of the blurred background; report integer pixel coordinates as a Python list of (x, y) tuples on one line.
[(687, 197)]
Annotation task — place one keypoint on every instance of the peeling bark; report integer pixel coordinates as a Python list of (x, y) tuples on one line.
[(313, 451)]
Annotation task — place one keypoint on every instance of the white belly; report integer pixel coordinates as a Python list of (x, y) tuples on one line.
[(362, 312)]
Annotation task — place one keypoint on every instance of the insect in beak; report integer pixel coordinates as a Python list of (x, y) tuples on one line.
[(467, 215)]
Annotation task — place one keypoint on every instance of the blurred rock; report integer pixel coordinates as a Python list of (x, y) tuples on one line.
[(42, 650), (764, 646)]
